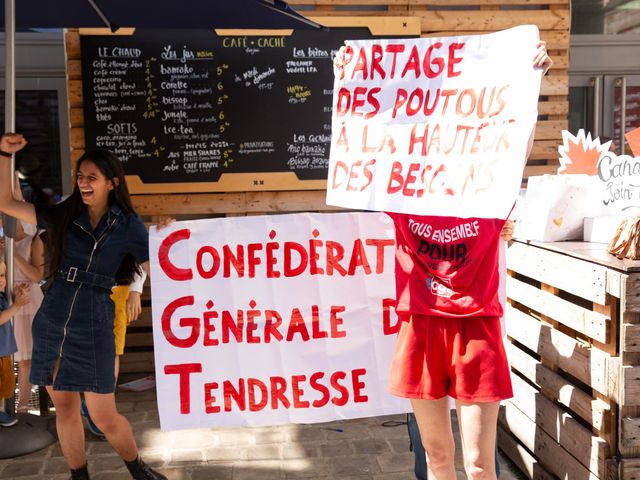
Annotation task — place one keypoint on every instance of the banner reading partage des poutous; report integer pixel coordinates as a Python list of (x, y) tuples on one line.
[(434, 126), (273, 319)]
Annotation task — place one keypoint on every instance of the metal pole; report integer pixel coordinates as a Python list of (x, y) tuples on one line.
[(622, 83), (596, 82), (31, 433), (9, 126)]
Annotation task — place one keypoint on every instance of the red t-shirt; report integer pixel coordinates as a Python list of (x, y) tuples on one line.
[(447, 266)]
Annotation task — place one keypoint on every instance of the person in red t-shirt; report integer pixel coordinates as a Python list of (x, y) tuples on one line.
[(420, 463), (450, 342)]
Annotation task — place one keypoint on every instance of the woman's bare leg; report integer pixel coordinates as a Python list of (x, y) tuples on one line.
[(116, 428), (478, 423), (69, 426), (434, 422)]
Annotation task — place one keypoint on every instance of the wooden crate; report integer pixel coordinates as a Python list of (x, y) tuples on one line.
[(572, 321)]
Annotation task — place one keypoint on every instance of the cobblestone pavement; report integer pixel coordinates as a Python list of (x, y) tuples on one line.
[(369, 448)]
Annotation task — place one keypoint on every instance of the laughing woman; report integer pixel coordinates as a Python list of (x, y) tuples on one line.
[(90, 235)]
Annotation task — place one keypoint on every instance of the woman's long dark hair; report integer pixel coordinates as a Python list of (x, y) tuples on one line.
[(111, 168)]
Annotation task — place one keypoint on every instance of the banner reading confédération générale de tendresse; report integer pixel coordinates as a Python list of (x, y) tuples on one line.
[(274, 319)]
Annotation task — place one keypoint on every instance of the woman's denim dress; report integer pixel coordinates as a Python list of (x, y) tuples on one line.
[(75, 322)]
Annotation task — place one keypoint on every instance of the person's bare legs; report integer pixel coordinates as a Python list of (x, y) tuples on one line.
[(116, 428), (69, 426), (478, 424), (24, 386), (434, 422)]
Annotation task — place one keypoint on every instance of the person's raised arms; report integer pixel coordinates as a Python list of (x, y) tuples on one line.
[(10, 143)]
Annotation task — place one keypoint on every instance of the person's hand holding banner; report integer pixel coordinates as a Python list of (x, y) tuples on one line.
[(434, 126)]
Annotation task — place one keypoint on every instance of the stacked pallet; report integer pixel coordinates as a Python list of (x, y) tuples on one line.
[(572, 322)]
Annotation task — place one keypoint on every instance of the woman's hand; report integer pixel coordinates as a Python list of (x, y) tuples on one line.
[(12, 142), (542, 58), (506, 233), (134, 306)]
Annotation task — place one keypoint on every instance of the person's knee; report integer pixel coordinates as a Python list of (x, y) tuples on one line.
[(67, 408), (67, 413), (106, 421), (440, 454)]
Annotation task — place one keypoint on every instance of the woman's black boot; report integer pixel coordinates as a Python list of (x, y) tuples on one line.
[(80, 474), (141, 471)]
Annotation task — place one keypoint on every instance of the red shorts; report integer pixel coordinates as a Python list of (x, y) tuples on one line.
[(460, 357)]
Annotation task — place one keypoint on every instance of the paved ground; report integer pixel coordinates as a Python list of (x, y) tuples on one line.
[(364, 449)]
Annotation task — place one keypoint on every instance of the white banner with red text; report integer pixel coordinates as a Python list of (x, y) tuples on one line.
[(273, 319), (434, 126)]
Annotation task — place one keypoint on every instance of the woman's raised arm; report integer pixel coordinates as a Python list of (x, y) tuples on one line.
[(10, 143)]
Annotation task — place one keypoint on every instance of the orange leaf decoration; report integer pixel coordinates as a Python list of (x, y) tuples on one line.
[(633, 139), (580, 154)]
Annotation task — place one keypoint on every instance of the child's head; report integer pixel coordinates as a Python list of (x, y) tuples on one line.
[(3, 275)]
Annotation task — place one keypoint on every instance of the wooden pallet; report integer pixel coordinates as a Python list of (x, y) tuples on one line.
[(572, 323)]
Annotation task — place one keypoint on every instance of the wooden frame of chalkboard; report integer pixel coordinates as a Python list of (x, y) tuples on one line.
[(218, 111)]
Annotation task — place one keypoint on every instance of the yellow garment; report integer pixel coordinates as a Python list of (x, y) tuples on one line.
[(7, 378), (119, 295)]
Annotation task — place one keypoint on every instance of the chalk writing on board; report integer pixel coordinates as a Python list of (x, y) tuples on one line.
[(189, 106)]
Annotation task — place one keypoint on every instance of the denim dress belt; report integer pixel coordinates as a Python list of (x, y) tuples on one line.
[(75, 275)]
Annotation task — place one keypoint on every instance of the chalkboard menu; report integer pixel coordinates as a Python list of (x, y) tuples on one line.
[(191, 106)]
